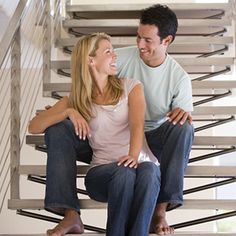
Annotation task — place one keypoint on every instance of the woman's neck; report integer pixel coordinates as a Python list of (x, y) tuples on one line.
[(100, 90)]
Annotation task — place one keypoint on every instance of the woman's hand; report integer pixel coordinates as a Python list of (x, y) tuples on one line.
[(81, 125), (129, 161)]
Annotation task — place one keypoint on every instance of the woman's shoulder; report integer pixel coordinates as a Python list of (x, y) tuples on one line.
[(130, 83)]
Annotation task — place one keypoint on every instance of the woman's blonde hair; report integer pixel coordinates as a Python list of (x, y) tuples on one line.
[(82, 83)]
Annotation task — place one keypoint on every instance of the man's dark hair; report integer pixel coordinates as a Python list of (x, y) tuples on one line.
[(162, 17)]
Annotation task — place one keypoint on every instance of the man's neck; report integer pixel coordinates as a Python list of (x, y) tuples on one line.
[(155, 62)]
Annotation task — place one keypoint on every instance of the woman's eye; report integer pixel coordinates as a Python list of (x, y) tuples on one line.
[(109, 51)]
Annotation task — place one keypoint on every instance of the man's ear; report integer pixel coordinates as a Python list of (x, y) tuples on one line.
[(167, 40)]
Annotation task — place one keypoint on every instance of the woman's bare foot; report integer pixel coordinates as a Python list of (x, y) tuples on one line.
[(71, 223), (159, 224)]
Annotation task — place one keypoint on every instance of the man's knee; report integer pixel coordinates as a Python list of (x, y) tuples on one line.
[(185, 130)]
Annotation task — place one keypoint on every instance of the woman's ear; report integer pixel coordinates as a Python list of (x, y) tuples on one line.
[(91, 61)]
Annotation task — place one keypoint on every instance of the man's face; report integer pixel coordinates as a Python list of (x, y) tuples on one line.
[(151, 48)]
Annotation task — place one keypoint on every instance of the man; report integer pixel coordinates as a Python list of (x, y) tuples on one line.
[(168, 95)]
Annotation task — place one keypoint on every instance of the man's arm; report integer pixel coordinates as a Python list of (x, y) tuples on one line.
[(182, 103)]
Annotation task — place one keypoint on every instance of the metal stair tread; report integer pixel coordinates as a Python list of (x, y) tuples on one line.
[(81, 23), (217, 61), (199, 140), (36, 204), (191, 171)]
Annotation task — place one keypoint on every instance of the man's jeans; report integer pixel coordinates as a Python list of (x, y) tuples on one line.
[(131, 195), (171, 144)]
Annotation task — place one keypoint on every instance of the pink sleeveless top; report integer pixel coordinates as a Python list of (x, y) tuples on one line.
[(110, 133)]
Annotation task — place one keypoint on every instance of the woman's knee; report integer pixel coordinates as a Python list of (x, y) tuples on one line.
[(58, 130), (124, 175), (149, 171)]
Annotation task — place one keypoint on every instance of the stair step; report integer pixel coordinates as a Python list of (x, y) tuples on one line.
[(217, 61), (180, 40), (138, 7), (225, 84), (96, 23), (209, 110), (191, 171), (198, 140), (214, 110), (201, 204)]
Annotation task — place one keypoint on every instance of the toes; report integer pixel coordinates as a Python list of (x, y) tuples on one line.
[(164, 230)]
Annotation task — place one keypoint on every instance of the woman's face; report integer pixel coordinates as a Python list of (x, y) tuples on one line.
[(105, 59)]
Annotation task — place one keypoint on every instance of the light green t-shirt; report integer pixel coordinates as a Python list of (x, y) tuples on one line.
[(166, 87)]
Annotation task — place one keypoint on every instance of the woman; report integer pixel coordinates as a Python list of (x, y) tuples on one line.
[(110, 113)]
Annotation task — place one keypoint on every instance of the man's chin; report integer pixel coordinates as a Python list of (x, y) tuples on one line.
[(143, 55)]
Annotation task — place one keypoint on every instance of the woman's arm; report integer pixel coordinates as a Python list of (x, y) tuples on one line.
[(49, 117), (136, 102), (57, 113)]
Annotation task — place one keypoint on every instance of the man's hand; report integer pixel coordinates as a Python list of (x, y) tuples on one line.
[(180, 116), (129, 161)]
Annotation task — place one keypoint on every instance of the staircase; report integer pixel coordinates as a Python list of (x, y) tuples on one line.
[(205, 47)]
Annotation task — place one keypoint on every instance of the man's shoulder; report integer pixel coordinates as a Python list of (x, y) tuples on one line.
[(175, 66)]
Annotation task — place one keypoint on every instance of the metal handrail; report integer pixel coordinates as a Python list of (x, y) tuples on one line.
[(23, 50), (12, 27)]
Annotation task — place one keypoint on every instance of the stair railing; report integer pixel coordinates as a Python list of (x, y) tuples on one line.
[(25, 52)]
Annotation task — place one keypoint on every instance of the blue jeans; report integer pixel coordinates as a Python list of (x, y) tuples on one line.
[(131, 195), (64, 148), (171, 144)]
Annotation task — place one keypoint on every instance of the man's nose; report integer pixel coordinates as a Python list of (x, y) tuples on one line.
[(140, 43)]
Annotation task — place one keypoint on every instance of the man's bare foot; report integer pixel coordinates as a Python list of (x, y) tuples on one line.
[(159, 224), (71, 223)]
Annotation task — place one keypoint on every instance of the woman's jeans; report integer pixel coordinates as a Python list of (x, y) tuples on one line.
[(64, 148), (131, 195), (170, 143)]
